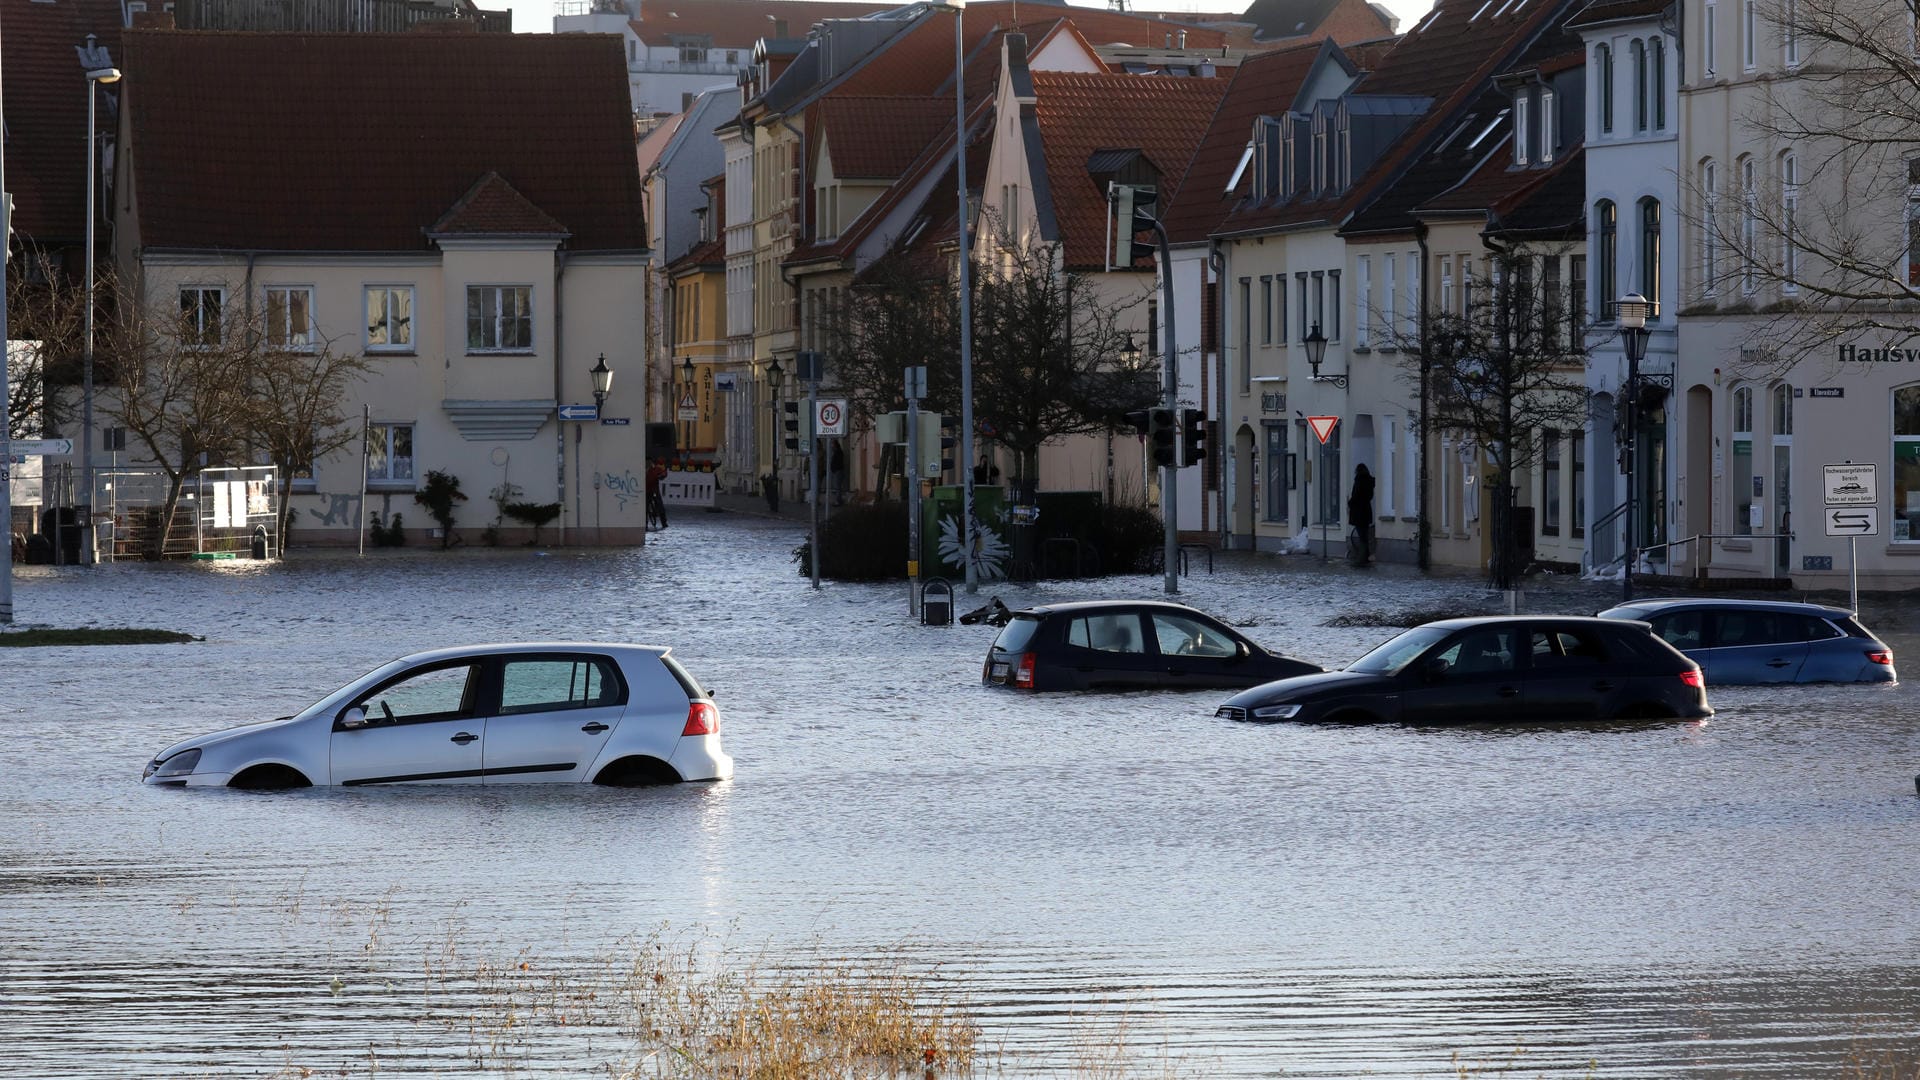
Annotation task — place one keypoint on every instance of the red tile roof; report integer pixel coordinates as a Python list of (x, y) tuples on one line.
[(737, 24), (46, 111), (878, 137), (1265, 85), (1162, 117), (493, 208), (360, 142)]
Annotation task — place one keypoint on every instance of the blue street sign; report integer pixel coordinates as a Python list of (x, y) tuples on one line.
[(579, 412), (616, 421)]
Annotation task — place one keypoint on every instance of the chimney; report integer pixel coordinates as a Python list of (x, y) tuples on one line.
[(1183, 39)]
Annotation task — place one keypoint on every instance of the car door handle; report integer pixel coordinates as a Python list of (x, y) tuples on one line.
[(1603, 685), (463, 738), (1509, 691), (594, 728), (1778, 662)]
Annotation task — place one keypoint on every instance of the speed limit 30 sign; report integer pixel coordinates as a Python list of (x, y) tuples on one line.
[(830, 417)]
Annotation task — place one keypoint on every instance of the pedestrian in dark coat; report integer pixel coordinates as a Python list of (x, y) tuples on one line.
[(1360, 516)]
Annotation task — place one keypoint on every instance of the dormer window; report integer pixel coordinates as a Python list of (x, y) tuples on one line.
[(1521, 114), (1549, 135)]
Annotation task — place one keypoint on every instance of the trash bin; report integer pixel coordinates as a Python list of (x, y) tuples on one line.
[(936, 602), (258, 546)]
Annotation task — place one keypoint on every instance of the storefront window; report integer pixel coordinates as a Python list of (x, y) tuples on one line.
[(1740, 476), (1782, 471), (1906, 463), (1276, 476)]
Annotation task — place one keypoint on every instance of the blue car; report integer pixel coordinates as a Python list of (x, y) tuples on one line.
[(1741, 642)]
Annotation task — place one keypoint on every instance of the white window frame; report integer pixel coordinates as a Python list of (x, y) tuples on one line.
[(1362, 301), (412, 317), (1742, 406), (1710, 228), (383, 433), (1387, 285), (1709, 32), (1790, 33), (1749, 27), (493, 327), (195, 316), (1413, 294), (284, 336), (1446, 284), (1749, 225), (1789, 211), (1548, 126), (1522, 112), (1389, 451)]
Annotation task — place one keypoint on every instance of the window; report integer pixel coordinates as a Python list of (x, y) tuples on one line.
[(1246, 334), (1280, 308), (1749, 226), (1550, 483), (1107, 633), (1266, 309), (1549, 127), (1300, 280), (1650, 249), (1603, 55), (1552, 303), (1275, 509), (1790, 32), (1389, 455), (441, 693), (389, 318), (1465, 266), (1789, 210), (1640, 112), (1413, 295), (289, 317), (390, 454), (550, 684), (1607, 281), (1333, 304), (1521, 103), (1740, 478), (1709, 33), (1748, 32), (201, 310), (1657, 69), (1446, 284), (499, 318), (1320, 302), (1388, 325), (1482, 652), (1709, 228), (1363, 294), (1326, 480), (1178, 635), (1576, 297), (1577, 447), (1906, 463)]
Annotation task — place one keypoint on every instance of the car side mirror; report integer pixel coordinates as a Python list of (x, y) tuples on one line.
[(1435, 669), (355, 717), (1241, 651)]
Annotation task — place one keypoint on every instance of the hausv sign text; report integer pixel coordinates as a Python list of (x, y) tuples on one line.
[(1892, 354)]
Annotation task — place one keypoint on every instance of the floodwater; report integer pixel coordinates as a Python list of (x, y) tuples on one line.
[(1733, 898)]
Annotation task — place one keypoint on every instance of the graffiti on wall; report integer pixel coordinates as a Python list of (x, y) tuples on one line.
[(342, 511), (625, 486)]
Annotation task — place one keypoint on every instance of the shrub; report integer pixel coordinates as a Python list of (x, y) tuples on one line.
[(1128, 538), (861, 542), (441, 492), (534, 514)]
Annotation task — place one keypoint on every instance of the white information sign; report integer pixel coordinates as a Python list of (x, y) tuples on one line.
[(1850, 485), (830, 417), (1853, 521)]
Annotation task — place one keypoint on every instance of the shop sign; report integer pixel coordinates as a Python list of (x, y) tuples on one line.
[(1854, 354)]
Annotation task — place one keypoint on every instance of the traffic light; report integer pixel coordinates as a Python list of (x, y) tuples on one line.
[(1134, 213), (1193, 436), (792, 424), (1138, 419), (1162, 435)]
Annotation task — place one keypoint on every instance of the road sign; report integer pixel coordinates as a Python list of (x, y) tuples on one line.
[(1850, 485), (1827, 391), (830, 417), (42, 447), (1322, 427), (1853, 521), (579, 412), (616, 421)]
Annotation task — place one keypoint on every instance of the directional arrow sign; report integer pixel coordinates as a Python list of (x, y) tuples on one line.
[(1853, 521), (1322, 427), (579, 412)]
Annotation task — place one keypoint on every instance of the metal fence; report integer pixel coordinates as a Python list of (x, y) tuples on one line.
[(220, 510)]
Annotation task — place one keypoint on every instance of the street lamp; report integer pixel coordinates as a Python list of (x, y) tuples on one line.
[(99, 68), (959, 8), (1630, 315), (602, 382), (1316, 343), (686, 379)]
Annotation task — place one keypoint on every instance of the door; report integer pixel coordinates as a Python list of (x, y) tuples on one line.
[(1196, 653), (1569, 675), (555, 714), (421, 726), (1748, 647), (1479, 681), (1108, 651)]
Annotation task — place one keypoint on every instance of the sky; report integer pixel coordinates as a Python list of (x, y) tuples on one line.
[(536, 16)]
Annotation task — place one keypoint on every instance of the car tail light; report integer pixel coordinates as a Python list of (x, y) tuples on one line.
[(1881, 656), (702, 719), (1023, 674), (1694, 679)]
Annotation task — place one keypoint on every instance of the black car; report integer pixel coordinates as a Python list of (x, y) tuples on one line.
[(1127, 645), (1550, 668)]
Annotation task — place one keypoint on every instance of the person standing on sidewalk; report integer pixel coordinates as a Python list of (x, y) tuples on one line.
[(1360, 517), (656, 505)]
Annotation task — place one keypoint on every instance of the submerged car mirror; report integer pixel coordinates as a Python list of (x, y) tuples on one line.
[(355, 717)]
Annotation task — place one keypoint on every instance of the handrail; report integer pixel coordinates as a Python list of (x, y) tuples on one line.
[(1718, 536)]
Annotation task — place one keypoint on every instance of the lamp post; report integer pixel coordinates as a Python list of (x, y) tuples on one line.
[(967, 527), (1630, 315), (602, 382), (99, 68), (770, 483), (686, 380), (1316, 345)]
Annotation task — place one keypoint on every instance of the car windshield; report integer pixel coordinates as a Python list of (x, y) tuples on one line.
[(1393, 657), (1018, 631)]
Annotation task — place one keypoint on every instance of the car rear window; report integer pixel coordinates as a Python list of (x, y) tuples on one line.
[(1644, 644), (1853, 628), (681, 676), (1017, 633)]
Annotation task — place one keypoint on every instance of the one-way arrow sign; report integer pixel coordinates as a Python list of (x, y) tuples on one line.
[(579, 412), (1853, 521)]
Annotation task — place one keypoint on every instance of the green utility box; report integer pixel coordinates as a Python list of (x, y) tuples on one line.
[(941, 534)]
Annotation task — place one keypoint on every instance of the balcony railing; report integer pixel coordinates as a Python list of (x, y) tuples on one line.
[(648, 66)]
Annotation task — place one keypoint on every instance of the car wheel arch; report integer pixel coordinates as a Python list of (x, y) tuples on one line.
[(637, 770), (269, 776)]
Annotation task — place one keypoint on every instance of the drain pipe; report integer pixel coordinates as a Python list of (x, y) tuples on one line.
[(1217, 263), (1423, 543), (560, 429)]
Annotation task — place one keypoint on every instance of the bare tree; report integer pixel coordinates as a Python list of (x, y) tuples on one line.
[(899, 313), (1506, 368), (296, 391), (1817, 229), (44, 320)]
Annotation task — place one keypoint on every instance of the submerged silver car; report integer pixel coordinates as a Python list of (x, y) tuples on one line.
[(494, 714)]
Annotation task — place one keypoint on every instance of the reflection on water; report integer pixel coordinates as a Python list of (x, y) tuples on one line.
[(1730, 898)]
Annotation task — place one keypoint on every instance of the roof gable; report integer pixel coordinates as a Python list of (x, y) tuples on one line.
[(493, 208)]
